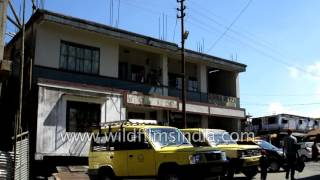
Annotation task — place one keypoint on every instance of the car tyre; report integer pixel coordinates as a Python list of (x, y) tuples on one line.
[(169, 174), (250, 172), (274, 166), (230, 173), (106, 175)]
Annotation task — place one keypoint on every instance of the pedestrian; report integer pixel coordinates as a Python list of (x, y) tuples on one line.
[(290, 149), (264, 164), (315, 151)]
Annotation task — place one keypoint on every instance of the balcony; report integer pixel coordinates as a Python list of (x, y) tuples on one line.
[(214, 99)]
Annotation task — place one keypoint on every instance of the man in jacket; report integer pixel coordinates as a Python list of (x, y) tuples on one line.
[(290, 149)]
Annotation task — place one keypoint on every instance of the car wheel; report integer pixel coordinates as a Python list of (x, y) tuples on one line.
[(171, 176), (230, 173), (304, 158), (250, 172), (274, 166), (106, 175)]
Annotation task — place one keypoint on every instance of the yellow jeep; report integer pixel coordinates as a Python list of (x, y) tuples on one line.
[(142, 150), (242, 158)]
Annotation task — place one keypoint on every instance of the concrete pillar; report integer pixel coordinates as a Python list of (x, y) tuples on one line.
[(237, 85), (164, 78), (236, 125), (160, 116), (204, 121), (202, 78), (3, 18)]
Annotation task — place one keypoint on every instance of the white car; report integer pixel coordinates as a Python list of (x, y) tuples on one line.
[(305, 151)]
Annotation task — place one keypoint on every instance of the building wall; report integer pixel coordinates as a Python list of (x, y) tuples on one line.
[(284, 121), (51, 124), (48, 41)]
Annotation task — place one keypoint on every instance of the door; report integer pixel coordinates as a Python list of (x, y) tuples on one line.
[(141, 162), (140, 156)]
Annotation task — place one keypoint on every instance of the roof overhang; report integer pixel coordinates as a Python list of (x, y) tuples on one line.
[(171, 48)]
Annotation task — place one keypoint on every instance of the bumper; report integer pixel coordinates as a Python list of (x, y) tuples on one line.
[(212, 169), (251, 161), (240, 163)]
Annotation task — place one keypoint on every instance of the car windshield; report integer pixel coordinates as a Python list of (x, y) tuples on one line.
[(220, 138), (162, 137), (266, 145)]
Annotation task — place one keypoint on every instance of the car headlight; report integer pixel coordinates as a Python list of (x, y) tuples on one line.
[(280, 153), (195, 158), (223, 156)]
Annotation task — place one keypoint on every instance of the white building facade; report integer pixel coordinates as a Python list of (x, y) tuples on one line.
[(85, 73), (282, 122)]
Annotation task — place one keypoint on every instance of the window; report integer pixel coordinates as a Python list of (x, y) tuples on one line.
[(271, 120), (128, 141), (123, 71), (256, 121), (79, 58), (99, 143), (82, 116), (193, 84), (175, 81), (137, 73), (284, 121)]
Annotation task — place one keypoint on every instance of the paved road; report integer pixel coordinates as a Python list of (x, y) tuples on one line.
[(311, 172)]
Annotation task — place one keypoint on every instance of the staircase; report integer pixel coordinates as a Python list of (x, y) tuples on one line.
[(6, 165)]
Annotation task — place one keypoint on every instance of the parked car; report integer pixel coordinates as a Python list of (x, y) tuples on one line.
[(305, 150), (243, 158), (275, 155), (151, 151)]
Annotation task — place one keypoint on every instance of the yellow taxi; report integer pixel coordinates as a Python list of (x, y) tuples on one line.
[(242, 158), (132, 149)]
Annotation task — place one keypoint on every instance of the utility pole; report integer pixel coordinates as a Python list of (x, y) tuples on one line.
[(3, 18), (18, 127), (184, 36)]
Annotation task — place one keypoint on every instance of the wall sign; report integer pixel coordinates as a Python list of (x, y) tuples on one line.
[(151, 101)]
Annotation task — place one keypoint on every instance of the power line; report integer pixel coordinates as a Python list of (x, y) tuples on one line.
[(174, 30), (265, 44), (232, 23), (280, 95), (264, 104), (261, 52)]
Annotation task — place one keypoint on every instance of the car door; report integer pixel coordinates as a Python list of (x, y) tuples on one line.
[(141, 157)]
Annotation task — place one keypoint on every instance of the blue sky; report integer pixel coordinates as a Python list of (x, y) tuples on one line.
[(278, 40)]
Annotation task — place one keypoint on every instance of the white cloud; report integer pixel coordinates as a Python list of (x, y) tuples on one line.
[(294, 72), (310, 72), (314, 70)]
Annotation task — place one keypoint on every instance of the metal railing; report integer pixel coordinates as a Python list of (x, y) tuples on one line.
[(216, 99)]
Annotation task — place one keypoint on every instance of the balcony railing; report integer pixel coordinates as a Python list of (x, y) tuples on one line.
[(215, 99)]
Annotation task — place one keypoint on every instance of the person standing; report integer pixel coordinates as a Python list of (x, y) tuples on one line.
[(315, 151), (264, 164), (290, 149)]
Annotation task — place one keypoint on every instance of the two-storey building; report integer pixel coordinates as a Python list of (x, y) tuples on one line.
[(282, 122), (79, 74)]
